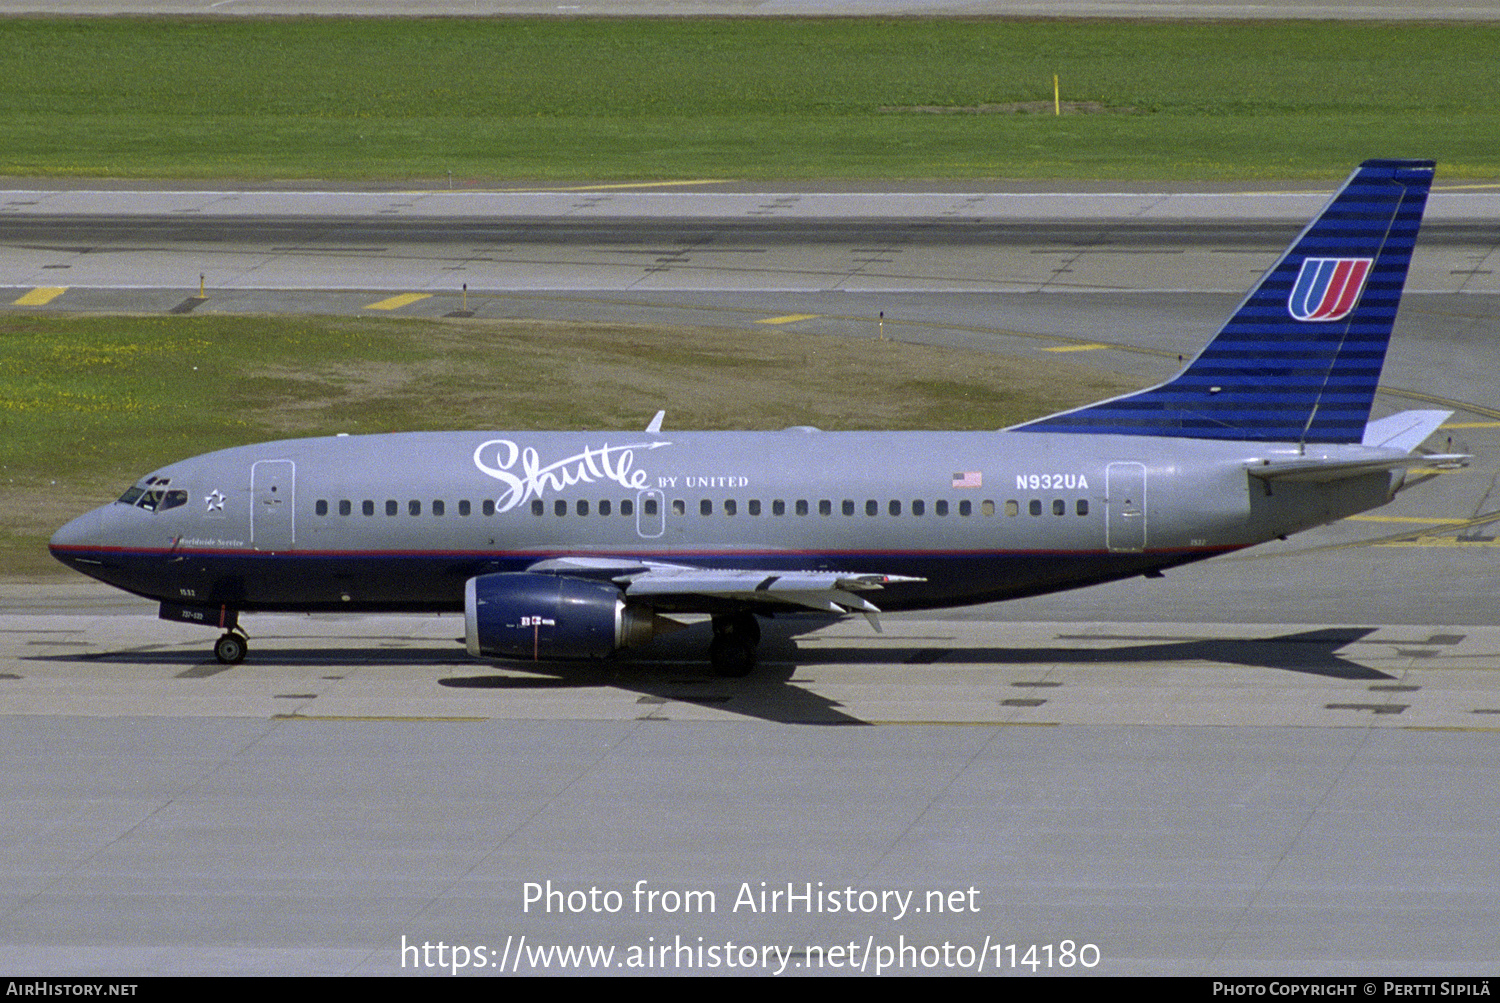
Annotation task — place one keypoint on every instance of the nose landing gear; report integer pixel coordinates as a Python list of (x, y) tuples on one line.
[(231, 648)]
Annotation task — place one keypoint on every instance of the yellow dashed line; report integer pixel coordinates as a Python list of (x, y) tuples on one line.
[(41, 296), (397, 302), (1471, 424), (1075, 348), (790, 318), (580, 188), (1403, 518), (373, 717), (1440, 541)]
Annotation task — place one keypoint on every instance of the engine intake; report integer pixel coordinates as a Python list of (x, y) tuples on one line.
[(531, 616)]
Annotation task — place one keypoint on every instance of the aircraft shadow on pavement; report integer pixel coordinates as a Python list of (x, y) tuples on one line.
[(1313, 652), (771, 693), (674, 668)]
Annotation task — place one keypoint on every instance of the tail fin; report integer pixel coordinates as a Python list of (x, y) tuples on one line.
[(1300, 359)]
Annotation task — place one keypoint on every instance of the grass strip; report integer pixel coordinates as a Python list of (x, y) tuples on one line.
[(619, 99)]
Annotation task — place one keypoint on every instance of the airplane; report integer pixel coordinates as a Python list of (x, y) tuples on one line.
[(575, 545)]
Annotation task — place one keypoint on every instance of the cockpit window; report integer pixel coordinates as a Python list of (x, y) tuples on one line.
[(154, 496)]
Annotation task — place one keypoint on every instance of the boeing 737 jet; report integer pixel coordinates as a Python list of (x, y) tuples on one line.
[(567, 545)]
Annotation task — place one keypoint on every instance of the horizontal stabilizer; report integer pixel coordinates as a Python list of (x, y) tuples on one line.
[(1311, 469), (1405, 431)]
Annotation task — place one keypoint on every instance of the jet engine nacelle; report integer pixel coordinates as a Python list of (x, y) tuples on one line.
[(531, 616)]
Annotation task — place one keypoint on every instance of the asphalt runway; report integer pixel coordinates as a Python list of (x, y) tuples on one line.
[(1279, 763)]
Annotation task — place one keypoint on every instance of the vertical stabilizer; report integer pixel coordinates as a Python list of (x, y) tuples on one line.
[(1300, 359)]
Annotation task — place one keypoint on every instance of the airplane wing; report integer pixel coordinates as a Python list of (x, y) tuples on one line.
[(683, 586)]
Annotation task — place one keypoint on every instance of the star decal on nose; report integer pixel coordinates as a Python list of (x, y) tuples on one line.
[(215, 501)]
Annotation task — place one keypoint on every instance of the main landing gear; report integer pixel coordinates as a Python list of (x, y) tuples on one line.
[(231, 648), (732, 651)]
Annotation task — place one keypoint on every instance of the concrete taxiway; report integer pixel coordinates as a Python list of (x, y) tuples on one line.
[(1278, 763)]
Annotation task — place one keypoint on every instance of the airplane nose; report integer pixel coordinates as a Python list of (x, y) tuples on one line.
[(82, 534)]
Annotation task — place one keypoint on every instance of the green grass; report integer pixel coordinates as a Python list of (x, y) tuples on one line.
[(754, 98)]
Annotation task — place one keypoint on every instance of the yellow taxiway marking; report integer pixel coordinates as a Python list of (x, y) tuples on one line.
[(1075, 348), (578, 188), (41, 296), (790, 318), (1470, 424), (1403, 518), (397, 302), (375, 717), (1440, 541)]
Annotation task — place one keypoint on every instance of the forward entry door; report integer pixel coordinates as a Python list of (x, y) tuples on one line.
[(273, 506)]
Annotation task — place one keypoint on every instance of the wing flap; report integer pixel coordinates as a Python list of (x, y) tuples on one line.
[(826, 591)]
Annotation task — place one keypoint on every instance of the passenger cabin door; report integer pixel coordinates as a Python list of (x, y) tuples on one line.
[(1126, 490), (650, 514), (273, 505)]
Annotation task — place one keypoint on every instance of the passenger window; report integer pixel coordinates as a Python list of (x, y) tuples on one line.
[(583, 507), (778, 507), (537, 508), (649, 508), (392, 507), (1012, 507), (604, 506), (1083, 506), (488, 508), (847, 507), (1034, 507), (560, 507), (988, 508), (918, 507), (345, 507), (801, 507), (414, 507), (627, 507), (1059, 507), (825, 507), (679, 507), (730, 506), (895, 508), (321, 508), (940, 507), (438, 508), (754, 506), (464, 508), (705, 507), (966, 508), (367, 507), (872, 507)]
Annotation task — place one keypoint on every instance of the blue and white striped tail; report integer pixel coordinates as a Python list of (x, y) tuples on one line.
[(1300, 359)]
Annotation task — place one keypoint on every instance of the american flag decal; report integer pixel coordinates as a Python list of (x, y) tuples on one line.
[(1328, 288), (968, 479)]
